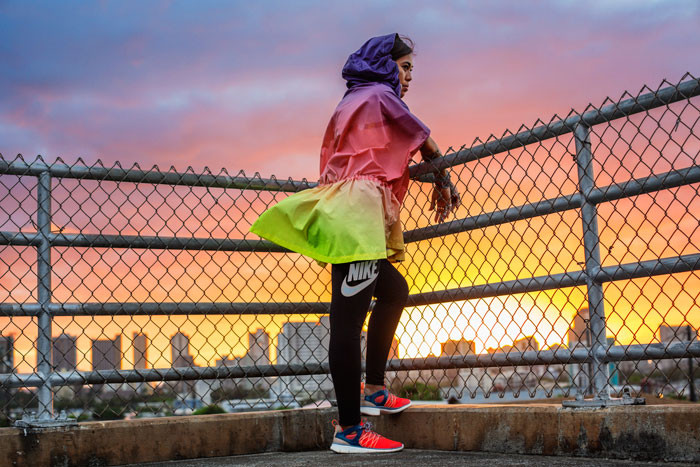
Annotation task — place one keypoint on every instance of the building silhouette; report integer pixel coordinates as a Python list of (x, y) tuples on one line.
[(258, 353), (668, 335), (579, 335), (259, 347), (682, 333), (107, 354), (579, 332), (180, 347), (526, 344), (140, 346), (65, 352), (7, 359), (304, 343), (459, 378), (460, 347), (7, 365)]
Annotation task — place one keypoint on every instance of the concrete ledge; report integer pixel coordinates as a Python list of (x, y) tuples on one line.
[(661, 433), (667, 432), (169, 438)]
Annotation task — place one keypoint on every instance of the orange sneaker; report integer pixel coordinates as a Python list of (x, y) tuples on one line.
[(383, 402), (361, 439)]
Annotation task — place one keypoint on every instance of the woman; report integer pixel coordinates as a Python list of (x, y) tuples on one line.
[(351, 220)]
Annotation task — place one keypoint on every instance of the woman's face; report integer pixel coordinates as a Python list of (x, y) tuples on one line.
[(405, 64)]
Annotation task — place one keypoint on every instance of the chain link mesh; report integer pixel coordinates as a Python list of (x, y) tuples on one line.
[(161, 303)]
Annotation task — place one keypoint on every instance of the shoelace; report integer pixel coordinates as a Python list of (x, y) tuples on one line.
[(369, 438)]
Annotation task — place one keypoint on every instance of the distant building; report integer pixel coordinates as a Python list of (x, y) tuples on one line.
[(180, 347), (107, 354), (7, 365), (258, 354), (526, 344), (304, 343), (683, 333), (462, 347), (579, 332), (259, 347), (580, 336), (7, 360), (140, 345), (64, 352), (457, 378)]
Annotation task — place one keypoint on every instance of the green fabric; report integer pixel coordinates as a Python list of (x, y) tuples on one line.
[(337, 223)]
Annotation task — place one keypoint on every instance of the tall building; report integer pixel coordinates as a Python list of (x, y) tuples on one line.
[(579, 332), (304, 343), (259, 347), (140, 345), (180, 346), (7, 365), (107, 354), (580, 336), (7, 359), (65, 352)]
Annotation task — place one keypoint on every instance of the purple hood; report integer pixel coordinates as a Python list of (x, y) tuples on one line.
[(372, 63)]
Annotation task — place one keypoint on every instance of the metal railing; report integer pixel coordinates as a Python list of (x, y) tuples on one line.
[(93, 244)]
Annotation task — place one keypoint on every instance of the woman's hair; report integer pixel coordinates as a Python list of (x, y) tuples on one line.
[(403, 45)]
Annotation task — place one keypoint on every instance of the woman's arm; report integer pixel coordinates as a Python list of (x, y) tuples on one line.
[(444, 195), (430, 151)]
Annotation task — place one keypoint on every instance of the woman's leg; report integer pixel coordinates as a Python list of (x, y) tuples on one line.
[(391, 291), (352, 287)]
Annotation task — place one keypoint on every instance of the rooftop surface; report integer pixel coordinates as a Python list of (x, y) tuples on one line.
[(403, 458)]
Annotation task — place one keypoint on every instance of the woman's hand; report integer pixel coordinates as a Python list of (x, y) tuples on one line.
[(444, 201)]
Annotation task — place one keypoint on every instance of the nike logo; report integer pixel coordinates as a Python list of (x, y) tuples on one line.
[(364, 271)]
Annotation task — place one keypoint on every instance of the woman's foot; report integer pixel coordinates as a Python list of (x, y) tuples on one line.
[(361, 439), (383, 402)]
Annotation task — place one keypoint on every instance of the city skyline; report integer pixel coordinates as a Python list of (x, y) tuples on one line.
[(301, 344)]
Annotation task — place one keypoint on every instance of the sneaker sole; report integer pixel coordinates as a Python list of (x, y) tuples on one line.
[(375, 411), (346, 449)]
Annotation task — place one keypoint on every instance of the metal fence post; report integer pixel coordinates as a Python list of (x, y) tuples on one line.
[(591, 243), (44, 361)]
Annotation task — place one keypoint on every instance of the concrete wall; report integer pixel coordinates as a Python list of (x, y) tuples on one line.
[(668, 432)]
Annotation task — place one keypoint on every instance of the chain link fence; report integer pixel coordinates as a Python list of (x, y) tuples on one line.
[(571, 269)]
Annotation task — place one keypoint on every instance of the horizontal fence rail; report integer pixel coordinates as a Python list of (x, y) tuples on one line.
[(150, 231), (136, 175)]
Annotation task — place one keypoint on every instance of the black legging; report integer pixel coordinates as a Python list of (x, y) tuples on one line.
[(354, 284)]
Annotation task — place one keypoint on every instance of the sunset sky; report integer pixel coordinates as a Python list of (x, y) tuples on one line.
[(250, 86)]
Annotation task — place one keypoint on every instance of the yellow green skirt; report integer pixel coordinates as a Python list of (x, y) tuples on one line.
[(350, 220)]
